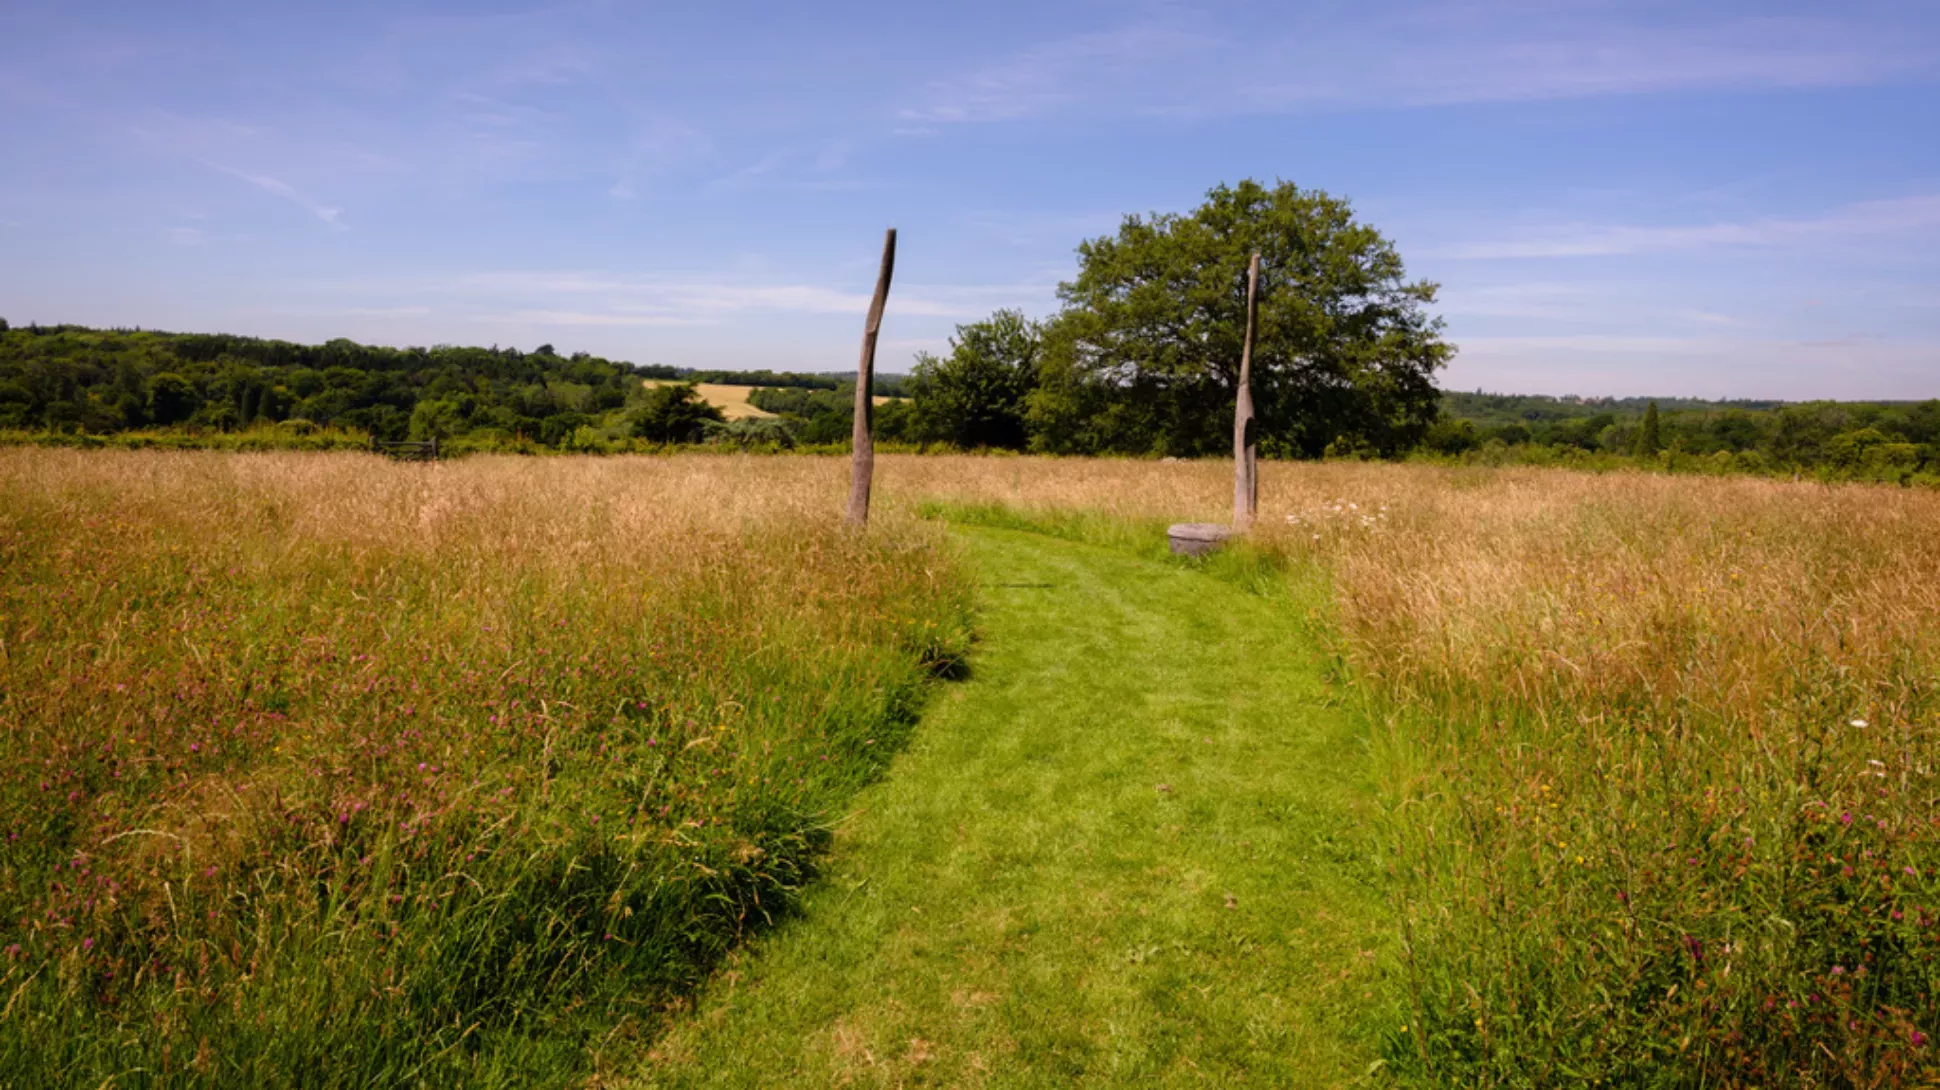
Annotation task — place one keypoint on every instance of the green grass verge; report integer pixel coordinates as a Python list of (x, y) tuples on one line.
[(1132, 848)]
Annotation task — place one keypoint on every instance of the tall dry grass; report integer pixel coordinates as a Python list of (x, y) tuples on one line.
[(318, 741), (327, 770), (1673, 817), (1664, 807)]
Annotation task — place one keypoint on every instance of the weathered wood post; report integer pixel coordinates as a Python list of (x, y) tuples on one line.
[(863, 466), (1201, 538), (1246, 444)]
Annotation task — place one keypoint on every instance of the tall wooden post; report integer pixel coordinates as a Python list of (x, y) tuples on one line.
[(863, 468), (1246, 446)]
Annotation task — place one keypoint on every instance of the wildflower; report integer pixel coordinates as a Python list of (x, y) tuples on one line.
[(1860, 723)]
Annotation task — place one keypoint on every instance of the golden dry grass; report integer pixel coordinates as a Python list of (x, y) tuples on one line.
[(308, 749), (1638, 825), (731, 400)]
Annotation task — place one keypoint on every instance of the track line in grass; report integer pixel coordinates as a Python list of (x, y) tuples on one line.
[(1128, 849)]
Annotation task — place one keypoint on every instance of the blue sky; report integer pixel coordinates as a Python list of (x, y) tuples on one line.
[(1707, 198)]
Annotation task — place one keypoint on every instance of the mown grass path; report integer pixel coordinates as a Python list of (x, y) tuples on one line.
[(1124, 851)]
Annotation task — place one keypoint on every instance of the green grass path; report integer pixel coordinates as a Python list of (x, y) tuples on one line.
[(1124, 851)]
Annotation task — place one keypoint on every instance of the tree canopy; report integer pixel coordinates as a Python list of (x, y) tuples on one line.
[(71, 378), (1144, 355), (674, 413), (975, 396)]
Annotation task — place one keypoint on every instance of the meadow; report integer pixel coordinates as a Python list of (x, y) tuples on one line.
[(460, 768), (1659, 753), (325, 770)]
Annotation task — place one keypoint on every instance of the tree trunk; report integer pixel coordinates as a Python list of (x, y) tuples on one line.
[(864, 465), (1246, 446)]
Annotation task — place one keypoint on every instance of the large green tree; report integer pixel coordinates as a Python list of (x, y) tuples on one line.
[(975, 396), (1144, 355)]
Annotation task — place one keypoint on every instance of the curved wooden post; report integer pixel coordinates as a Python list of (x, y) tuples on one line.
[(863, 468), (1246, 446)]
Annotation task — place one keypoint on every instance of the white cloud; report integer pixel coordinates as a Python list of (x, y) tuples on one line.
[(1232, 59), (1866, 220)]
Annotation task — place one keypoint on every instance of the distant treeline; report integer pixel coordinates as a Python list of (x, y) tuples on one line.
[(1872, 440), (1488, 410), (72, 379), (159, 388)]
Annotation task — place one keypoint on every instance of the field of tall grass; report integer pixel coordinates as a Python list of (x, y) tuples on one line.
[(1662, 753), (324, 770), (370, 772)]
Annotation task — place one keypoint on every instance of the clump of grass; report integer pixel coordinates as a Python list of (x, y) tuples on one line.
[(330, 770), (1670, 813)]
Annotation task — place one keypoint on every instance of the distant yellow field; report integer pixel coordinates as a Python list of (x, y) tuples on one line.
[(733, 400)]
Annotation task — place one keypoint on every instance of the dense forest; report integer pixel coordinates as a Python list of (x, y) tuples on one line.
[(76, 380), (70, 378)]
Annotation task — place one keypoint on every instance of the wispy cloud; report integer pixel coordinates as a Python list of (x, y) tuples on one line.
[(329, 214), (188, 236), (627, 301), (815, 168), (592, 318), (1707, 366), (1167, 62), (387, 312), (1864, 220), (569, 298), (1058, 73), (1542, 300), (1506, 52)]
